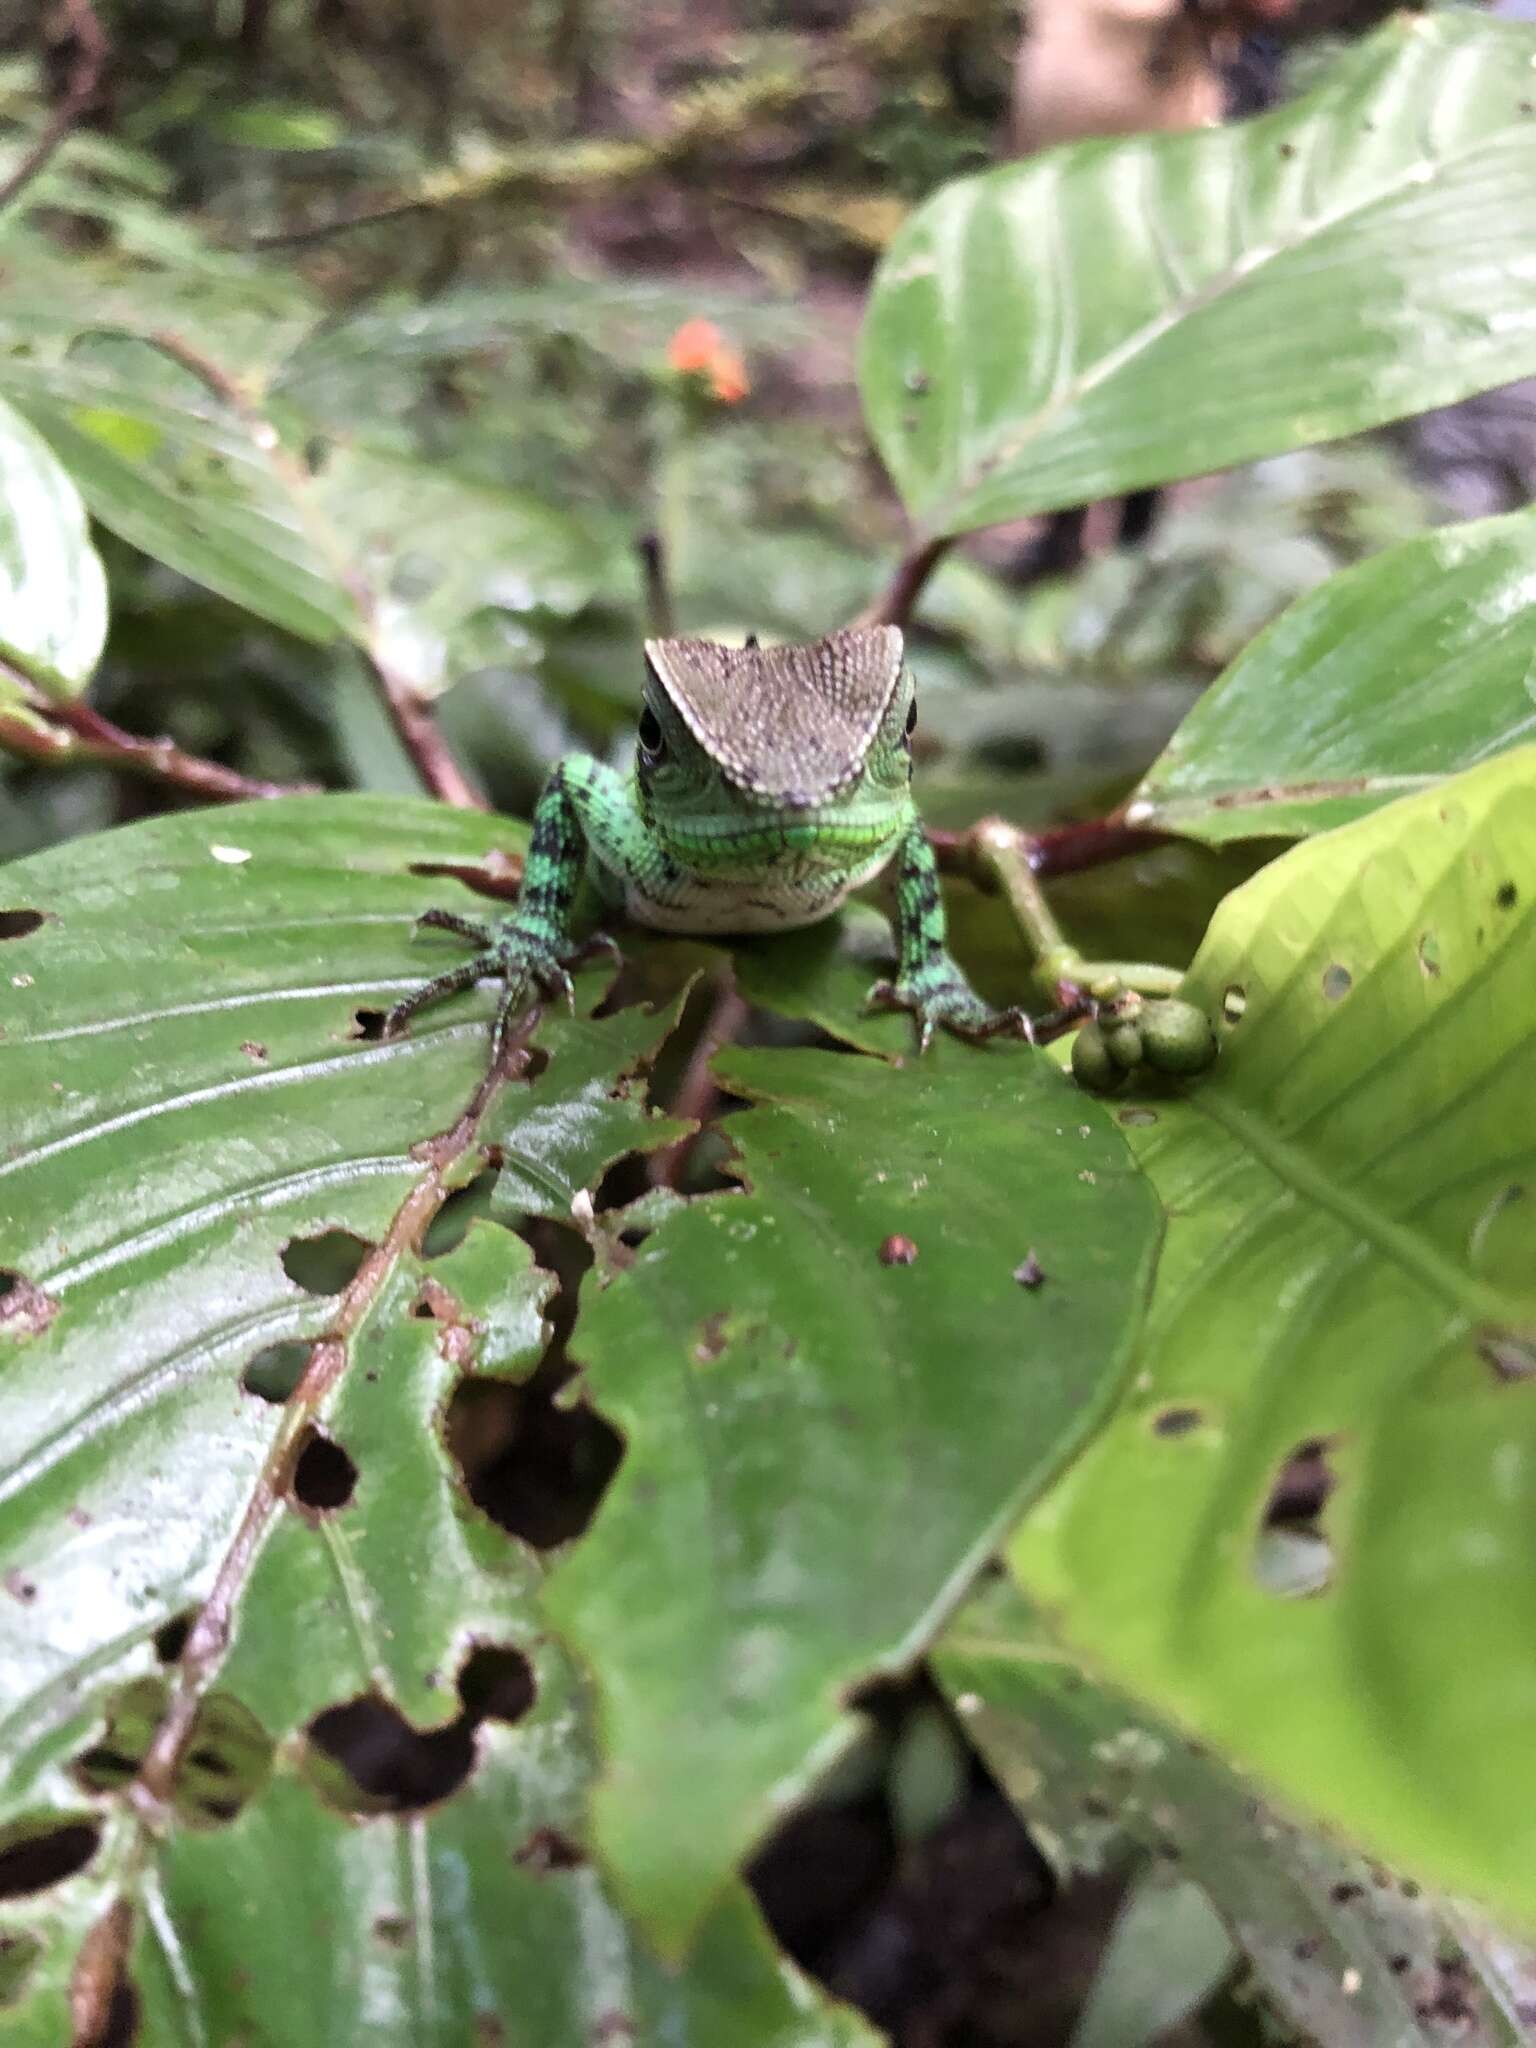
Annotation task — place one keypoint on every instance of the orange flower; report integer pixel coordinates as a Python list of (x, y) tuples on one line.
[(699, 349)]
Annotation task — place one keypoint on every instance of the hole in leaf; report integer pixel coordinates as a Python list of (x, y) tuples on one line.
[(324, 1477), (1337, 982), (1506, 897), (19, 924), (133, 1714), (18, 1957), (369, 1759), (275, 1371), (367, 1026), (1176, 1421), (414, 575), (1430, 962), (393, 1929), (227, 1762), (36, 1854), (496, 1684), (1511, 1354), (1292, 1555), (548, 1465), (325, 1263), (25, 1310), (459, 1210), (1234, 1002), (171, 1637), (547, 1849)]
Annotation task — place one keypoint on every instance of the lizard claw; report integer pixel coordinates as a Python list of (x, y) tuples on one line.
[(599, 942), (942, 995), (524, 960)]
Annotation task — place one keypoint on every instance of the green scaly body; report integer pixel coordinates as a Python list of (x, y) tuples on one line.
[(768, 783)]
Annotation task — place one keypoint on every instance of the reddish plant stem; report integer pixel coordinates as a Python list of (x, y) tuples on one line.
[(894, 605), (412, 717), (79, 96), (697, 1094), (163, 759), (1060, 850), (658, 588), (60, 732), (1068, 849)]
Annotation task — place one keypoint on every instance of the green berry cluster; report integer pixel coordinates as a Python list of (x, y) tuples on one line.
[(1162, 1033)]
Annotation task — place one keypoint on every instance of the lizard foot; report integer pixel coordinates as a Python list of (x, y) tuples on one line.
[(524, 960), (942, 995)]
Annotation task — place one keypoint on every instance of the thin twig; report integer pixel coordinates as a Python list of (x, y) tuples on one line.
[(100, 740), (64, 732), (1003, 859), (894, 605), (697, 1092), (413, 719), (79, 96), (1059, 850), (658, 591), (1069, 849)]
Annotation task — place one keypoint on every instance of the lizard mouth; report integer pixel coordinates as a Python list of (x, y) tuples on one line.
[(830, 842)]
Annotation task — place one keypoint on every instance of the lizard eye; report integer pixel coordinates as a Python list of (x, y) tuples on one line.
[(911, 718), (652, 741)]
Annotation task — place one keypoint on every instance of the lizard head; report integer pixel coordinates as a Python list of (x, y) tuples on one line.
[(820, 733)]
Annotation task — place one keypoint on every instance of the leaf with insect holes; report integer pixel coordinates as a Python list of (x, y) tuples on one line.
[(1120, 313), (1321, 1493), (1390, 677), (836, 1396), (248, 1358), (1346, 1952)]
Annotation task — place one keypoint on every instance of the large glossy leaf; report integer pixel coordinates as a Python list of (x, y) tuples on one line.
[(327, 539), (824, 1440), (1307, 1536), (1120, 313), (1391, 676), (1346, 1952), (204, 1139), (53, 590)]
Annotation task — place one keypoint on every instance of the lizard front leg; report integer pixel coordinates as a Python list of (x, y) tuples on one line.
[(582, 804), (928, 983)]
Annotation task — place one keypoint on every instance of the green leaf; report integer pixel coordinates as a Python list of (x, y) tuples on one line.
[(53, 590), (231, 1339), (1321, 1493), (459, 1924), (1167, 1953), (433, 554), (402, 557), (1117, 314), (1347, 1953), (179, 476), (823, 1446), (1393, 675)]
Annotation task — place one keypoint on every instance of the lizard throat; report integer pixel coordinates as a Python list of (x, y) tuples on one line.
[(757, 877)]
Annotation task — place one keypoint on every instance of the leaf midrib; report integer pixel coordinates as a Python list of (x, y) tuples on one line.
[(1293, 1167)]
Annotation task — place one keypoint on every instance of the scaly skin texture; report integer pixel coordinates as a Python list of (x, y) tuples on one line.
[(767, 784)]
